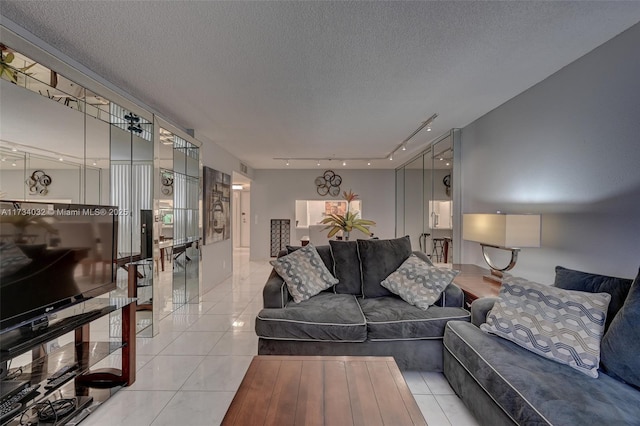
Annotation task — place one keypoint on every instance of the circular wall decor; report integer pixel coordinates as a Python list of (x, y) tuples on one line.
[(328, 183), (167, 184), (38, 182)]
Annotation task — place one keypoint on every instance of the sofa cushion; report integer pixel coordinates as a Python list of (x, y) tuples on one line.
[(346, 267), (378, 259), (534, 390), (391, 318), (618, 288), (621, 344), (325, 317), (563, 325), (419, 283), (304, 272)]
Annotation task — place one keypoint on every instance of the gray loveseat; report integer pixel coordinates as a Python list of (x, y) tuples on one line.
[(358, 316), (505, 384)]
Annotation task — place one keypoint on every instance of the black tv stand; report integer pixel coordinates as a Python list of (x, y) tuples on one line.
[(15, 344), (88, 384)]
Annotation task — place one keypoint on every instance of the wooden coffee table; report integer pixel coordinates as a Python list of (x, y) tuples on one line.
[(323, 390)]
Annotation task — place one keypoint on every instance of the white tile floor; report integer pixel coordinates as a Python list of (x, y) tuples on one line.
[(189, 372)]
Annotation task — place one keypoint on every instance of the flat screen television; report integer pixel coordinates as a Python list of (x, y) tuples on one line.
[(53, 255)]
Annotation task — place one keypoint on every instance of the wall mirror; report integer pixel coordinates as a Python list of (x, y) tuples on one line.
[(424, 200), (131, 140), (178, 225)]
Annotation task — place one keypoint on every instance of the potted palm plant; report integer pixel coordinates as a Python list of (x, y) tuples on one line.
[(347, 222)]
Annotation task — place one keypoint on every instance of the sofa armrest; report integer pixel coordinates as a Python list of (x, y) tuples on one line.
[(480, 308), (452, 297), (275, 293)]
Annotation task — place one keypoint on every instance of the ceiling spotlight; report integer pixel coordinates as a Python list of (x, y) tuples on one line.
[(344, 163), (404, 146), (441, 158), (14, 149), (429, 128), (287, 163), (448, 164), (94, 163), (14, 164), (391, 157), (318, 163), (4, 159), (368, 163), (60, 159)]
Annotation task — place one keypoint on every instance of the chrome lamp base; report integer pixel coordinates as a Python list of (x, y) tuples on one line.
[(497, 273)]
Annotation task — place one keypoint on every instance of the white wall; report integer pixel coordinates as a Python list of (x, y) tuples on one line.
[(273, 195), (217, 258), (567, 148)]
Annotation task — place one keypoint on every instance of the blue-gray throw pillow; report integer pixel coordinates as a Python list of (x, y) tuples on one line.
[(562, 325), (378, 259), (323, 251), (618, 288), (620, 351), (418, 282), (304, 272), (346, 267)]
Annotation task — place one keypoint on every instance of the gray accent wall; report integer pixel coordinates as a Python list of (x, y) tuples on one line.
[(274, 192), (568, 148)]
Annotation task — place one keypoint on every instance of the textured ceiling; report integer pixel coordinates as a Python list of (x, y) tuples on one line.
[(322, 79)]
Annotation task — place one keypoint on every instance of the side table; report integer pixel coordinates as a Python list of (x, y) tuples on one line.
[(471, 281)]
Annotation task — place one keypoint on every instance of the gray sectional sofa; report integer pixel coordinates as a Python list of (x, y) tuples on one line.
[(358, 316), (504, 384)]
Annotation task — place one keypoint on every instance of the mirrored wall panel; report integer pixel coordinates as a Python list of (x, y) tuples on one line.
[(424, 200)]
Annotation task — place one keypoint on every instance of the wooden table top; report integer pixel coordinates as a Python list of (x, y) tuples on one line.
[(323, 390), (471, 282)]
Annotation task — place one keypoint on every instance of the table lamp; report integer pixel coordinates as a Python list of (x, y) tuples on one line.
[(509, 232)]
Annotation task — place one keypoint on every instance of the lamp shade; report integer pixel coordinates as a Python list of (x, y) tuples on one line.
[(502, 230)]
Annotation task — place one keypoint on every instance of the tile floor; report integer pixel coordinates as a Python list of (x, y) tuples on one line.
[(190, 371)]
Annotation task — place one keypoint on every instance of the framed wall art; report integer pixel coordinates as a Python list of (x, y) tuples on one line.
[(217, 205)]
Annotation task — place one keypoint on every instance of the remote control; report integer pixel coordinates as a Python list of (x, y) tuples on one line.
[(13, 405), (62, 371), (60, 380), (8, 411)]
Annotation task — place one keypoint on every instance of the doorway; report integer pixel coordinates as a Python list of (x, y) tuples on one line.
[(241, 210)]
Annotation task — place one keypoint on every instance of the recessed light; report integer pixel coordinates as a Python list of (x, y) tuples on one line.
[(344, 163), (448, 164), (368, 163), (60, 159)]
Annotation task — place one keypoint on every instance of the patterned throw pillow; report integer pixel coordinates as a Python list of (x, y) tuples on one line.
[(12, 259), (419, 283), (304, 272), (563, 325)]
